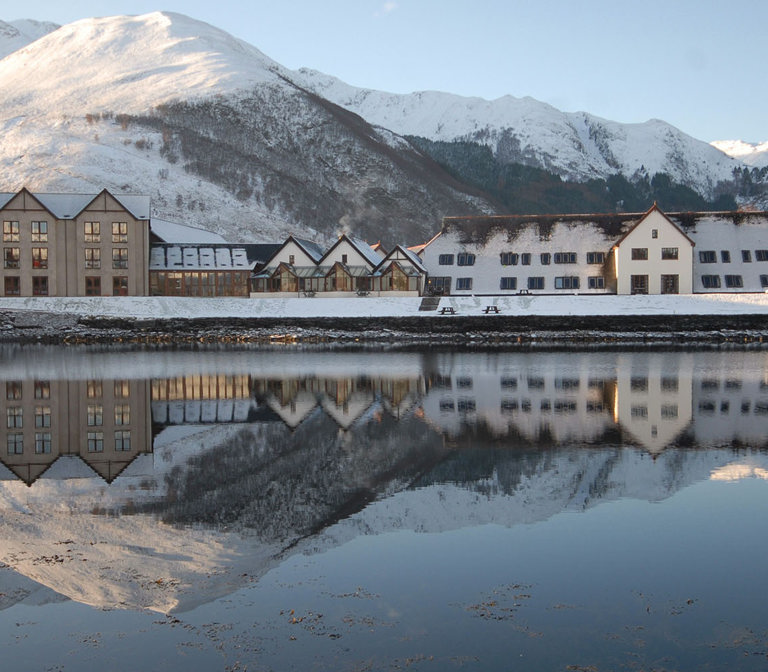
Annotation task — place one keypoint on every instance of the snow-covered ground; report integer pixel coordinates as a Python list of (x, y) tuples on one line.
[(533, 304)]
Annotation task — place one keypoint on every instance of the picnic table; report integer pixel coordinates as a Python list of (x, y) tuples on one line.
[(491, 309)]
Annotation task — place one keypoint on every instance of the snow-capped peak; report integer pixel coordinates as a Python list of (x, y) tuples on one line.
[(16, 35), (751, 153)]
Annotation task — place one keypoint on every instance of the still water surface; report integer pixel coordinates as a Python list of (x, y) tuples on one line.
[(281, 510)]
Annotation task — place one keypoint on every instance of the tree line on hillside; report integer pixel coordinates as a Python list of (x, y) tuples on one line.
[(521, 189)]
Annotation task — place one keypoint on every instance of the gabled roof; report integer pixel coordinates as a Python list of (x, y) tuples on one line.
[(363, 248), (312, 248), (410, 256), (69, 206), (655, 208)]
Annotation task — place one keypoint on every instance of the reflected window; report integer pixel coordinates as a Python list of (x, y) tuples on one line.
[(567, 383), (745, 407), (94, 389), (464, 383), (595, 407), (669, 384), (710, 384), (42, 389), (565, 406), (123, 441), (725, 407), (545, 406), (42, 443), (95, 415), (508, 405), (42, 416), (446, 406), (122, 414), (535, 383), (15, 444), (706, 407), (122, 389), (761, 408), (639, 412), (668, 411), (509, 383), (14, 417), (13, 389), (639, 384), (95, 442), (466, 405)]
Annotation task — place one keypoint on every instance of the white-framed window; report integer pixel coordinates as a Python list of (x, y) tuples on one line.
[(545, 258), (565, 257), (595, 257), (670, 253), (463, 283), (509, 258), (734, 281), (465, 259), (596, 282), (725, 256), (10, 232), (761, 255), (445, 260), (640, 254), (119, 232), (92, 232), (525, 258), (710, 281), (508, 283), (707, 256), (536, 282), (567, 282), (39, 232)]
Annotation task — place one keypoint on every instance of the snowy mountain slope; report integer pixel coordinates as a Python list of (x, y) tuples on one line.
[(575, 145), (213, 130), (18, 34), (752, 153)]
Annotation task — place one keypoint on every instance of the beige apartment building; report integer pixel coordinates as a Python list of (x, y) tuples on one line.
[(74, 244)]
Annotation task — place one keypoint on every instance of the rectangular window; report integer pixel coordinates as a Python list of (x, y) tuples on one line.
[(42, 443), (13, 389), (761, 255), (119, 232), (733, 281), (710, 281), (764, 280), (15, 444), (654, 233), (40, 285), (725, 256), (42, 389), (120, 285), (39, 232), (39, 257), (95, 415), (445, 260), (639, 284), (463, 283), (669, 253), (92, 257), (525, 259), (123, 414), (12, 286), (746, 256), (11, 257), (508, 283), (94, 389), (465, 259), (670, 284), (595, 257), (14, 417), (567, 282), (565, 257), (10, 232), (545, 258), (95, 442), (42, 416), (119, 257), (509, 259), (122, 389), (92, 285), (536, 282), (640, 253), (707, 256), (92, 232), (596, 282), (123, 440)]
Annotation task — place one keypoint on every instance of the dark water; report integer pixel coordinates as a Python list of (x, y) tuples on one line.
[(289, 510)]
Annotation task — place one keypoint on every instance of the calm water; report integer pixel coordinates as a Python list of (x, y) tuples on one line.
[(289, 510)]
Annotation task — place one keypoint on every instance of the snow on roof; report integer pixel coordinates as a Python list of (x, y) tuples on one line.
[(198, 257), (65, 206), (172, 232), (310, 247), (368, 253)]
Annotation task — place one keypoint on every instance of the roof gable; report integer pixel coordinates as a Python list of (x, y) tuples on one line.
[(655, 209)]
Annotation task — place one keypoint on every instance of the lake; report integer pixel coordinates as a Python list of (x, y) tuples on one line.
[(298, 509)]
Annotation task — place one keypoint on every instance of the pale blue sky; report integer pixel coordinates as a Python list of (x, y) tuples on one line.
[(700, 65)]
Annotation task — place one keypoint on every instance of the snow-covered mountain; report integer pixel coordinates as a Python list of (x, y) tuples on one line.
[(574, 145), (226, 139), (752, 153)]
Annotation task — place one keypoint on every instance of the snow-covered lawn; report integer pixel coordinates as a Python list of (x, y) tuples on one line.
[(175, 307)]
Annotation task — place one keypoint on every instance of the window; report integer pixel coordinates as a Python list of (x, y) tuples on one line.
[(639, 284), (92, 232), (13, 389), (42, 443), (567, 282), (445, 260), (120, 285), (343, 258), (669, 253), (639, 253), (565, 257), (12, 286), (508, 283), (40, 285), (670, 284), (654, 233), (122, 440), (746, 256), (536, 282), (509, 259), (14, 417), (761, 255), (95, 415), (122, 414), (15, 444), (710, 281), (596, 282), (119, 232), (10, 232), (595, 257), (94, 389), (42, 389), (465, 259), (120, 257), (39, 232), (545, 258), (42, 416), (525, 259), (122, 389), (725, 256), (92, 257), (464, 283), (733, 281), (92, 285), (707, 257), (764, 280), (95, 442), (11, 257), (439, 284)]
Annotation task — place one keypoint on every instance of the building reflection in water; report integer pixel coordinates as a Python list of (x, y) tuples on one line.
[(652, 400)]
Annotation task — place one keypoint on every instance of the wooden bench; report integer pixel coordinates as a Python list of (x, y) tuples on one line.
[(447, 310), (491, 309)]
